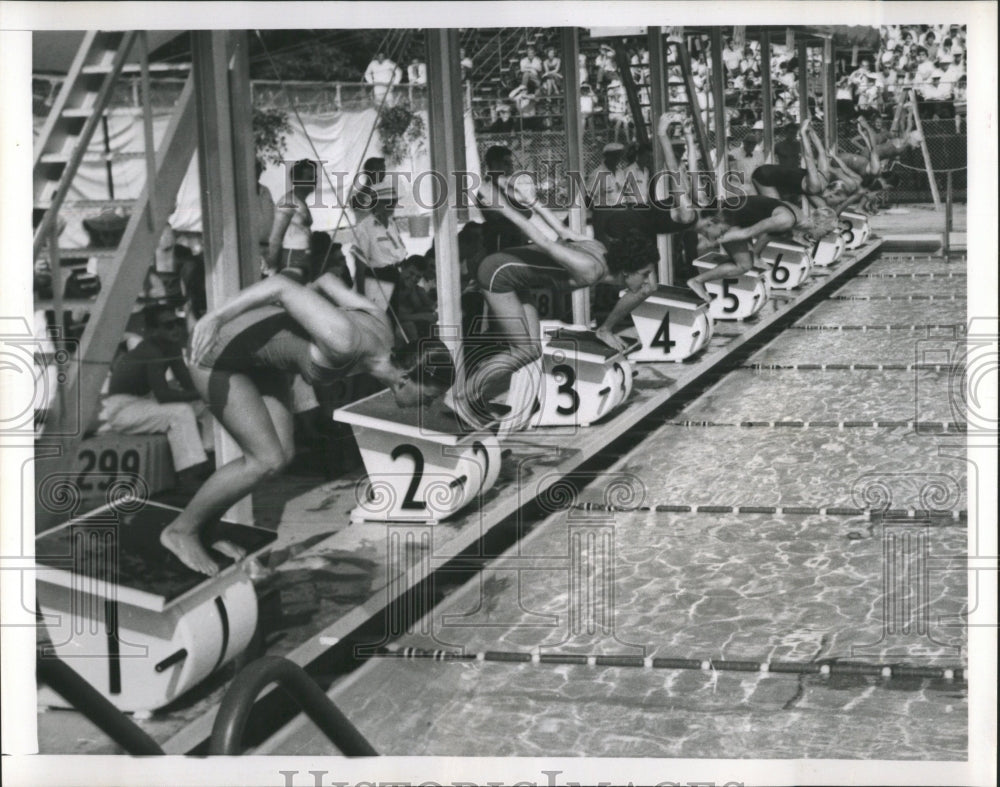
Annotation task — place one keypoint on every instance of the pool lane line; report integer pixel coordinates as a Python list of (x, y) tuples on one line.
[(924, 426), (875, 514), (949, 275), (822, 667), (854, 367), (925, 298), (886, 327)]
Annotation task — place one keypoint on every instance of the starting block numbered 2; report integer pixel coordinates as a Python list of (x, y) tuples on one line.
[(582, 379), (130, 618), (788, 264), (827, 250), (673, 324), (422, 466), (855, 229), (735, 297)]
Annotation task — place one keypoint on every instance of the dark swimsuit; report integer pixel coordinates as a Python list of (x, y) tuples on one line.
[(754, 209), (523, 267), (788, 181)]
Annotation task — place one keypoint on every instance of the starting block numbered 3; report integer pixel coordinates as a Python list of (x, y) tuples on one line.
[(735, 297), (130, 618), (422, 466), (788, 264), (827, 250), (673, 324), (582, 379), (855, 229)]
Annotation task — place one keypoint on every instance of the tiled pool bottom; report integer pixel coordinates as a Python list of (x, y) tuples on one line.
[(748, 587)]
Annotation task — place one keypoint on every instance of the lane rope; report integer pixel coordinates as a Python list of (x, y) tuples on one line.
[(823, 667), (854, 367), (874, 514), (930, 298), (935, 426), (949, 275), (887, 327)]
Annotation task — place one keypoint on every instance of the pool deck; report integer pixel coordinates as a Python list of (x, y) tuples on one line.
[(335, 576)]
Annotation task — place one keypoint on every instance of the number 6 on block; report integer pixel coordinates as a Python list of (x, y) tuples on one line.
[(421, 465), (788, 264), (673, 324)]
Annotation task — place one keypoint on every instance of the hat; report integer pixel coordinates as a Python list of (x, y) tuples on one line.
[(385, 191), (759, 125), (614, 147)]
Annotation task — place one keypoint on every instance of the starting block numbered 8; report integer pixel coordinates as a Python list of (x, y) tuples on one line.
[(421, 466), (131, 619), (788, 264), (855, 229), (734, 297), (827, 250), (582, 379), (673, 324)]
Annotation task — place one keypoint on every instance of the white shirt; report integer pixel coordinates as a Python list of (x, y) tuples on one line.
[(384, 73)]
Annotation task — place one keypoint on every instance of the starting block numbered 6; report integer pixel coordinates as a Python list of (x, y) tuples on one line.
[(827, 250), (855, 229), (672, 323), (788, 264), (421, 466), (134, 622), (734, 297), (582, 379)]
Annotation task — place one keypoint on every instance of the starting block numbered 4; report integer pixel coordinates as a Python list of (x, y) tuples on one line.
[(130, 618), (582, 379), (788, 264), (673, 324), (734, 297), (855, 229), (422, 467), (827, 250)]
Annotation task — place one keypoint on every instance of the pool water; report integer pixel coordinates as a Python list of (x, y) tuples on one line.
[(802, 587)]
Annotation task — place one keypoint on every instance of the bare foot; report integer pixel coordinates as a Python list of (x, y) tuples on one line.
[(188, 550), (229, 549), (700, 290)]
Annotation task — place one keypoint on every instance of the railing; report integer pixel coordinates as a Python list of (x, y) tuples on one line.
[(92, 704), (234, 711)]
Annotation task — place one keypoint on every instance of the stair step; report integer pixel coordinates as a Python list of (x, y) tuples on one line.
[(88, 251), (89, 203)]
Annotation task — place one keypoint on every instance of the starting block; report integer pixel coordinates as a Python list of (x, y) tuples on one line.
[(827, 250), (788, 264), (129, 617), (734, 297), (672, 323), (855, 229), (582, 379), (423, 465)]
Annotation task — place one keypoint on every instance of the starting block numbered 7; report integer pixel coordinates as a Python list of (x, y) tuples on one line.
[(788, 264), (735, 297), (129, 617), (422, 466), (827, 250), (855, 229), (583, 379), (673, 324)]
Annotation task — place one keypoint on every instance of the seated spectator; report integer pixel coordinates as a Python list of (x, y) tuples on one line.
[(937, 98), (411, 303), (527, 108), (551, 73), (618, 113), (583, 69), (604, 188), (140, 400), (505, 121), (731, 57), (925, 67), (955, 69), (588, 105), (531, 71)]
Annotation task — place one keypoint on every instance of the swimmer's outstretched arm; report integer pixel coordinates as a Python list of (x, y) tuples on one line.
[(546, 215), (683, 212), (331, 286), (773, 224), (813, 180)]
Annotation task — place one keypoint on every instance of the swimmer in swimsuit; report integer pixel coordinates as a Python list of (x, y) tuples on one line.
[(741, 231), (243, 355), (815, 181)]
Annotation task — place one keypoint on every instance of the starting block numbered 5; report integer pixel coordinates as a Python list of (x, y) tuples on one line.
[(673, 324), (855, 229), (421, 466), (827, 250), (134, 622), (734, 297), (582, 379), (788, 264)]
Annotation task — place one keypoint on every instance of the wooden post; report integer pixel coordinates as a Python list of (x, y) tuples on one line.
[(574, 153), (935, 195), (446, 139), (767, 95), (719, 99), (948, 217), (245, 159), (658, 101), (803, 55), (147, 118), (829, 95)]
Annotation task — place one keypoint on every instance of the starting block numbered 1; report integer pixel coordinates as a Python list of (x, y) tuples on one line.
[(827, 250), (672, 323), (582, 379), (129, 617), (735, 297), (855, 229), (422, 466), (788, 264)]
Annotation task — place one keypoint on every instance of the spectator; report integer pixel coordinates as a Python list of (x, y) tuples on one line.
[(925, 67), (372, 172), (955, 69), (382, 74), (140, 399), (288, 243), (960, 103), (583, 69), (505, 122), (618, 114), (551, 74), (588, 105), (465, 64), (637, 173), (378, 247), (604, 189), (746, 158), (605, 63), (526, 107), (530, 71), (731, 57), (937, 98), (413, 306), (416, 72), (265, 211), (845, 98)]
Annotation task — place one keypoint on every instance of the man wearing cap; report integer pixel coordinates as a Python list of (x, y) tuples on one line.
[(378, 246), (937, 97), (604, 189)]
